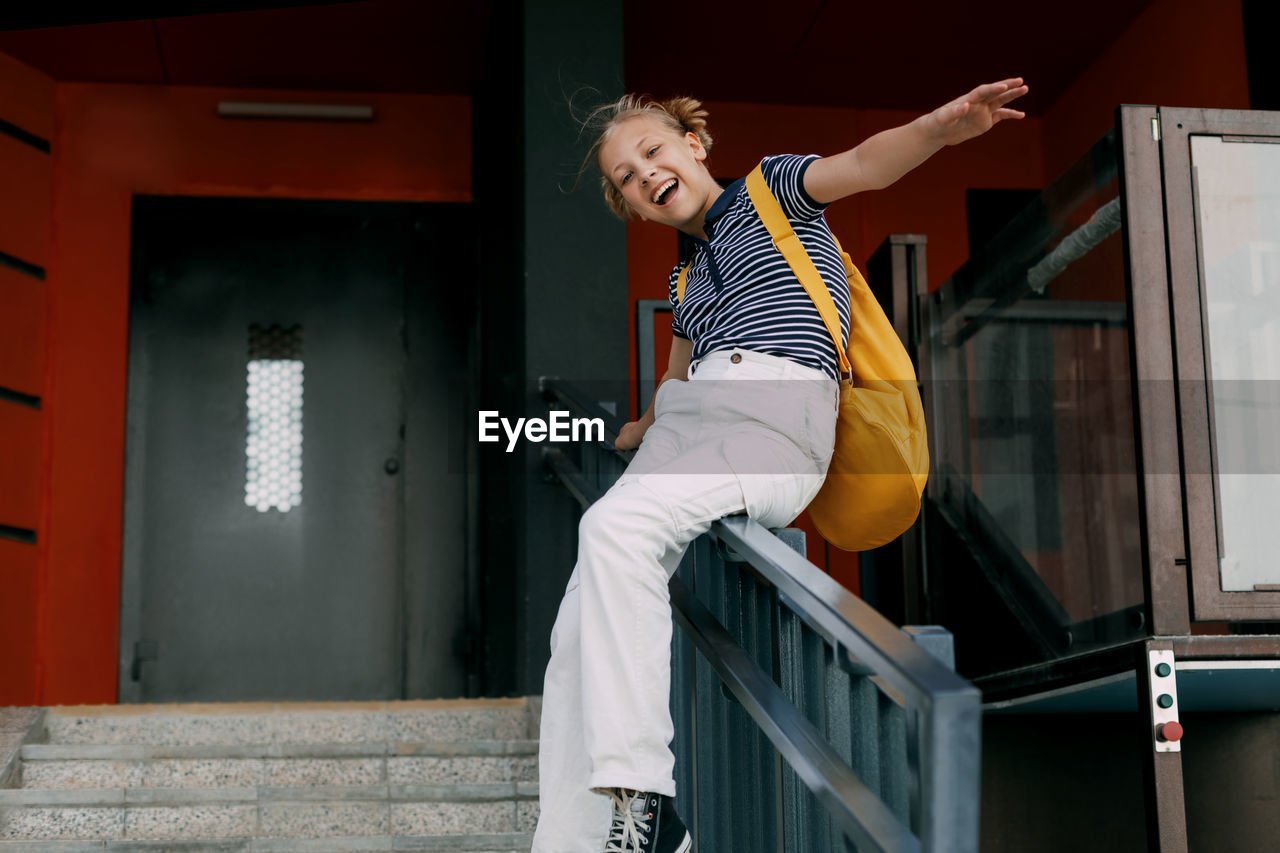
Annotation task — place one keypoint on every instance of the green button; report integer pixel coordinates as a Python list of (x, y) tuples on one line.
[(1163, 669), (1164, 700)]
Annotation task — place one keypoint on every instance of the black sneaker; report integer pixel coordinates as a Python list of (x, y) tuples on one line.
[(645, 823)]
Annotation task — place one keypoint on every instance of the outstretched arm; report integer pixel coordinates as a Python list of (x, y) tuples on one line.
[(881, 159)]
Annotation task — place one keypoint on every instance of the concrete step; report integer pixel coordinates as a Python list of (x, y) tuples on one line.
[(428, 775), (329, 811), (247, 723), (502, 842), (71, 766)]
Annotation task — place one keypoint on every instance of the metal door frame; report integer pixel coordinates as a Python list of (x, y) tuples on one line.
[(460, 220)]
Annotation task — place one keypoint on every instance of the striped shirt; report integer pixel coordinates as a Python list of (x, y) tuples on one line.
[(740, 292)]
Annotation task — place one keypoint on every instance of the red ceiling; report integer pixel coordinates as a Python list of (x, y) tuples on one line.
[(904, 55), (910, 55), (372, 46)]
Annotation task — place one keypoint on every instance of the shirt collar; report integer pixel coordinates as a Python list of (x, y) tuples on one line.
[(721, 204)]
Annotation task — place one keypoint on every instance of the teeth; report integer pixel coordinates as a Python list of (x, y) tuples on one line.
[(657, 194)]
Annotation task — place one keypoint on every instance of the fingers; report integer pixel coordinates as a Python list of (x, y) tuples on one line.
[(1007, 96), (1004, 89)]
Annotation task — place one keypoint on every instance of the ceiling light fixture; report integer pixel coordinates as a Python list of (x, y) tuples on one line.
[(317, 112)]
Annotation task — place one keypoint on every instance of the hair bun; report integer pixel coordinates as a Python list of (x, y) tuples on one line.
[(692, 117)]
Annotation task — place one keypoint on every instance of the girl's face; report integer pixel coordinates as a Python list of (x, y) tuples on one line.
[(659, 172)]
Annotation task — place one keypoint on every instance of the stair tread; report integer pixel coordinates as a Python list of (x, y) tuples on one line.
[(134, 797), (268, 723), (504, 842), (255, 777), (395, 749)]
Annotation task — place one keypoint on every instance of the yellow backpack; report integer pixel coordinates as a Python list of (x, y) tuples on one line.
[(881, 459)]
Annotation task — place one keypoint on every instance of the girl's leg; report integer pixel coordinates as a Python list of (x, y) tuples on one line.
[(616, 733), (631, 546), (574, 818)]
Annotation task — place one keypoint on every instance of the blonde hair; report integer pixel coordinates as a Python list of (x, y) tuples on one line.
[(681, 115)]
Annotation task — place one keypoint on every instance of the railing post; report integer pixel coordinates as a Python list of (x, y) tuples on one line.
[(714, 819), (684, 705), (802, 675), (950, 750)]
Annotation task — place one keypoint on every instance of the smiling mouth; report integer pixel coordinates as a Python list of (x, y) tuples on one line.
[(664, 193)]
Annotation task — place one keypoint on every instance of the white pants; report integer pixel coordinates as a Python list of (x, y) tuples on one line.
[(717, 447)]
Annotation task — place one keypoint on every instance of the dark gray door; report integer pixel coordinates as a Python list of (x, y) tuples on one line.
[(288, 368)]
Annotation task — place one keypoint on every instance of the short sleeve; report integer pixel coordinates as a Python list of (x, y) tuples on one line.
[(677, 328), (784, 174)]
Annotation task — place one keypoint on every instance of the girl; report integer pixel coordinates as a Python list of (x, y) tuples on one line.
[(710, 445)]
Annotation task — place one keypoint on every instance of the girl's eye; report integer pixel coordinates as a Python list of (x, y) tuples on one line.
[(653, 150), (626, 178)]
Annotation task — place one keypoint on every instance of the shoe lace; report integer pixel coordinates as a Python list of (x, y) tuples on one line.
[(624, 834)]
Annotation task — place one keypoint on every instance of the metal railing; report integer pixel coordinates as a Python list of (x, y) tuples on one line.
[(808, 722)]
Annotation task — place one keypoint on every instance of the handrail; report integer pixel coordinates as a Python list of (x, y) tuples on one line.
[(862, 815), (845, 620), (944, 709), (554, 389)]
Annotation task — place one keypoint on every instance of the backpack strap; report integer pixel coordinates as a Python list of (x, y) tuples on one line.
[(786, 242)]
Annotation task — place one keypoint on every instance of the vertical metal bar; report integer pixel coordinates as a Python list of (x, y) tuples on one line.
[(949, 757), (788, 791), (714, 816), (1191, 358), (810, 700), (1155, 412), (912, 291), (843, 709), (758, 641), (916, 751), (895, 759), (594, 468), (683, 704), (739, 795), (865, 727), (797, 816), (928, 351), (646, 356), (838, 716), (950, 775)]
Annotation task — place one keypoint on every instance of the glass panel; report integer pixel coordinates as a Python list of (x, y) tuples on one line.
[(273, 449), (1238, 224), (1032, 415)]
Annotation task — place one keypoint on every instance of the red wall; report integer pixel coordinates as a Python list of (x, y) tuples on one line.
[(110, 143), (26, 175)]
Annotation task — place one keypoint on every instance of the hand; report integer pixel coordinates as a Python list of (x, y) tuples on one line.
[(631, 434), (974, 114)]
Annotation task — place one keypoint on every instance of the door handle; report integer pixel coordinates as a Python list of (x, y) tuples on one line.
[(143, 650)]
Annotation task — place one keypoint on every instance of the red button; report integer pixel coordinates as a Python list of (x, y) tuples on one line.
[(1170, 732)]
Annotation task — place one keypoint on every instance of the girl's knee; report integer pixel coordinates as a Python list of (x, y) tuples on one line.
[(624, 511), (624, 526)]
